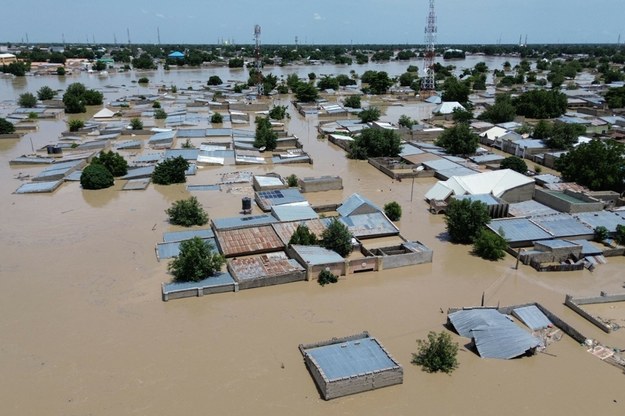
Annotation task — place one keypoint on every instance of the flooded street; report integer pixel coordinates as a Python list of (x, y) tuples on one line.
[(84, 331)]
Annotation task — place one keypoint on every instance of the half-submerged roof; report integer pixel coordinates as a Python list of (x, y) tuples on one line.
[(357, 204)]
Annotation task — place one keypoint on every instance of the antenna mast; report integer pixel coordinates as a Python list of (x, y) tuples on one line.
[(428, 83), (158, 34), (257, 61)]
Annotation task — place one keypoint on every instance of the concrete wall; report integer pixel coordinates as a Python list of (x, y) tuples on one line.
[(406, 259), (562, 205), (296, 276), (519, 194), (197, 291), (319, 184), (364, 264), (248, 107), (574, 303)]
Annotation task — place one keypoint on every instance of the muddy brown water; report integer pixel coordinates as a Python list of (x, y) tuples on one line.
[(83, 329)]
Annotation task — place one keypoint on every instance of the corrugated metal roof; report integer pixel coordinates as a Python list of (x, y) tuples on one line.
[(192, 188), (588, 248), (187, 235), (172, 249), (487, 199), (267, 199), (38, 187), (556, 243), (519, 229), (351, 358), (488, 158), (242, 241), (187, 154), (533, 317), (408, 150), (457, 171), (276, 264), (220, 279), (563, 225), (605, 219), (357, 204), (285, 230), (149, 158), (441, 164), (465, 320), (315, 255), (138, 173), (137, 184), (293, 212), (369, 225), (530, 208), (246, 221), (192, 133)]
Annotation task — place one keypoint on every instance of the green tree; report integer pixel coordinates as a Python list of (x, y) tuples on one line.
[(74, 104), (6, 127), (93, 97), (353, 101), (465, 219), (96, 176), (337, 237), (436, 353), (619, 235), (76, 97), (303, 236), (113, 162), (462, 116), (214, 80), (278, 112), (306, 93), (45, 93), (515, 163), (489, 245), (542, 130), (615, 97), (187, 212), (75, 125), (196, 261), (265, 136), (369, 114), (217, 118), (328, 83), (501, 112), (540, 104), (601, 234), (454, 90), (392, 211), (564, 136), (60, 71), (458, 140), (160, 114), (144, 61), (378, 82), (19, 69), (143, 80), (375, 143), (136, 124), (599, 165), (406, 121), (292, 181), (27, 100), (326, 277), (171, 170)]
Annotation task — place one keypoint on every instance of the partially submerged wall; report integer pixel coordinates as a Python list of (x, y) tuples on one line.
[(574, 303)]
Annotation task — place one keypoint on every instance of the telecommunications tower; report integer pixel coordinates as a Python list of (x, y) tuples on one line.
[(428, 82), (257, 61)]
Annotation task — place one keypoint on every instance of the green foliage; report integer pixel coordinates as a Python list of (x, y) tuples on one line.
[(619, 236), (615, 97), (462, 116), (328, 83), (306, 93), (6, 127), (369, 114), (406, 121), (113, 162), (27, 100), (99, 66), (353, 101), (601, 234), (542, 130), (378, 82), (326, 277), (278, 112), (490, 246), (564, 136), (515, 163), (60, 71), (144, 61), (337, 237), (375, 143), (458, 140), (143, 80), (96, 176), (171, 170), (196, 261), (33, 116), (454, 90), (156, 104), (598, 165), (465, 219), (187, 212), (407, 78), (76, 97), (93, 97), (501, 112), (217, 118), (160, 114), (136, 124), (393, 211), (303, 236), (291, 180), (75, 125), (45, 93), (345, 80), (265, 136), (540, 104), (437, 353), (214, 80)]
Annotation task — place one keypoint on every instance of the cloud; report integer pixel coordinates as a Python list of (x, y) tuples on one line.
[(162, 16), (317, 16)]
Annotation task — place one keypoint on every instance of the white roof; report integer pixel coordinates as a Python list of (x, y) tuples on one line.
[(447, 107), (7, 55), (495, 183), (494, 133), (104, 113)]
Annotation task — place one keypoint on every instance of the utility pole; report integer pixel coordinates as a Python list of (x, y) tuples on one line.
[(158, 35), (428, 82)]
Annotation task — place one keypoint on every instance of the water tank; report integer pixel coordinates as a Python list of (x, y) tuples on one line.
[(57, 150), (50, 149), (246, 204)]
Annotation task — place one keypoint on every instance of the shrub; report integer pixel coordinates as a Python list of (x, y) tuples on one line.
[(353, 101), (45, 93), (6, 127), (515, 163), (601, 234), (217, 118), (337, 237), (60, 71), (160, 114), (370, 114), (27, 100), (33, 116), (136, 124), (113, 162), (393, 211), (75, 125), (490, 246), (278, 112), (619, 236), (171, 170), (303, 236), (406, 121), (291, 180), (214, 80), (156, 104), (96, 176), (465, 219), (143, 80), (326, 276), (437, 353), (187, 144), (187, 212), (196, 261)]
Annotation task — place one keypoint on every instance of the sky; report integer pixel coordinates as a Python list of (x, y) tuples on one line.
[(312, 22)]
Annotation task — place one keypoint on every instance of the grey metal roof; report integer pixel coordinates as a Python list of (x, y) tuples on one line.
[(563, 225), (192, 133), (293, 212), (487, 199), (556, 243), (248, 220), (408, 150), (137, 184), (187, 154), (533, 317), (277, 160), (588, 248), (187, 235), (530, 208), (351, 358), (38, 187), (203, 188), (172, 249), (465, 320), (243, 133), (441, 164), (139, 173), (519, 229), (315, 255), (488, 158), (149, 158), (220, 279), (606, 219), (357, 204), (456, 171), (162, 137), (131, 144), (281, 196), (218, 132), (369, 225)]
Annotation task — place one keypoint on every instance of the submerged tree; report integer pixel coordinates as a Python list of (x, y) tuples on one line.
[(171, 170), (393, 211), (465, 219), (96, 176), (265, 136), (196, 261), (375, 143), (113, 162), (489, 245), (436, 353), (187, 212)]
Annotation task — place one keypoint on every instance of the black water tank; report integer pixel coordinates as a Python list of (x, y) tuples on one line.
[(50, 148), (246, 204), (57, 150)]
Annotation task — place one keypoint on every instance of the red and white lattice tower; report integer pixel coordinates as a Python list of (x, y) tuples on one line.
[(258, 62), (428, 82)]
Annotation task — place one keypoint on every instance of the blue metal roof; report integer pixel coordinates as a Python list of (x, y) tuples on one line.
[(351, 358), (563, 225), (37, 187), (176, 54), (187, 154), (172, 249), (358, 204), (220, 279), (409, 150), (248, 220), (293, 212), (315, 255), (606, 219), (533, 317), (487, 199), (369, 225), (187, 235), (588, 248), (519, 229)]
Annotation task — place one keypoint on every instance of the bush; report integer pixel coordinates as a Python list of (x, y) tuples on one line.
[(113, 162), (60, 71), (214, 80), (601, 234), (45, 93), (75, 125), (353, 101), (490, 246), (291, 180), (160, 114), (27, 100), (458, 140), (515, 163), (278, 112), (265, 136), (143, 80), (187, 212), (96, 176), (406, 121), (326, 276), (170, 171), (337, 237), (217, 118), (465, 219), (303, 236), (156, 104), (375, 143), (619, 236), (136, 124), (370, 114), (437, 353), (196, 261), (393, 211), (6, 127)]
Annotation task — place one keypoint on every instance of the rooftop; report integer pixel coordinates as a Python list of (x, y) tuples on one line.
[(244, 241), (276, 264)]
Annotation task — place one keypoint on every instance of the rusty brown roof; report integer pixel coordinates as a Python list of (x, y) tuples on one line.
[(286, 229), (251, 240), (276, 264)]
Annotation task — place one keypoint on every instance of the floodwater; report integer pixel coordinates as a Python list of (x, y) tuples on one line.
[(83, 329)]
